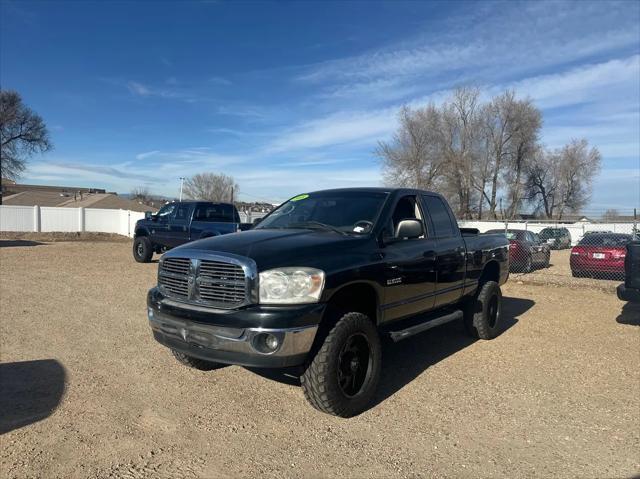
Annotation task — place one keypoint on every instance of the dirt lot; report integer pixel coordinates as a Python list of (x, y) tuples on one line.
[(86, 392)]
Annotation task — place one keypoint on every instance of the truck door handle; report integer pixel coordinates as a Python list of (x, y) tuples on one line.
[(430, 255)]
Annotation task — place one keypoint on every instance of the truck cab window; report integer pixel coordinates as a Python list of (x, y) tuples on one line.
[(442, 223), (215, 213), (166, 211), (182, 212), (407, 208)]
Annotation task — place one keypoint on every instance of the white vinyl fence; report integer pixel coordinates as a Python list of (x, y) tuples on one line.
[(577, 230), (50, 219)]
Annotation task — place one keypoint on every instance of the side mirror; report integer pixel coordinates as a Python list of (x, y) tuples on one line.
[(148, 215), (409, 229)]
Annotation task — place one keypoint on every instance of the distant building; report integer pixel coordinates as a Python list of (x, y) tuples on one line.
[(67, 197)]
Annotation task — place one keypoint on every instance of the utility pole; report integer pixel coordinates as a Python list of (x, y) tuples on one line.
[(181, 183), (232, 194)]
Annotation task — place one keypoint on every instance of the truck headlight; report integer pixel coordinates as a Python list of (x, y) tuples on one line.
[(291, 285)]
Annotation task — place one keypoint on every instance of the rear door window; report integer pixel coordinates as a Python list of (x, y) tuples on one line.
[(443, 226), (216, 213), (182, 212)]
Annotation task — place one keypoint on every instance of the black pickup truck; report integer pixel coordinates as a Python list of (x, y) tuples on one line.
[(630, 289), (318, 282), (180, 222)]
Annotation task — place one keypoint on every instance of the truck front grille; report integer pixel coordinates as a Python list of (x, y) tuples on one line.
[(206, 282)]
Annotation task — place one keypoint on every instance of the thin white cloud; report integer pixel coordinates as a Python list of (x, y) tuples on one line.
[(585, 83), (467, 50), (337, 129), (146, 154), (170, 91), (138, 88), (220, 81)]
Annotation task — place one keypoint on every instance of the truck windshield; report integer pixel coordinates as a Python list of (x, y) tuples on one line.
[(349, 212)]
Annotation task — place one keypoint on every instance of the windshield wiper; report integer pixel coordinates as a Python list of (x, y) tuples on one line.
[(318, 224)]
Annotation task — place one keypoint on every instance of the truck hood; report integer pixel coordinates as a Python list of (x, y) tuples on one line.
[(271, 248)]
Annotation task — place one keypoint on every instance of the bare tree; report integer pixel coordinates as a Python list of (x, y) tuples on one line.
[(542, 182), (475, 154), (141, 193), (560, 181), (523, 149), (22, 134), (211, 187), (611, 214), (413, 157), (461, 134), (579, 165)]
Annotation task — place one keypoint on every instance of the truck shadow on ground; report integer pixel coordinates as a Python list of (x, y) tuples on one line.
[(404, 361), (630, 314), (14, 243), (30, 391)]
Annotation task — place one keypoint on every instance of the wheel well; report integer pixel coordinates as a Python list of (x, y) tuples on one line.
[(359, 297), (491, 272)]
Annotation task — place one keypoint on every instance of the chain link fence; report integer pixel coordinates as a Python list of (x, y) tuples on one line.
[(565, 253)]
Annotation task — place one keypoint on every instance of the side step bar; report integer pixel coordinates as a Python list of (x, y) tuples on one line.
[(419, 328)]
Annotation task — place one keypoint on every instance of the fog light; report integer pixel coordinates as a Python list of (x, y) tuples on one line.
[(266, 343), (150, 313), (271, 341)]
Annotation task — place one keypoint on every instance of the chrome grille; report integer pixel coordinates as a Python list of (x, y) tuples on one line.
[(175, 286), (221, 282), (207, 282), (176, 265)]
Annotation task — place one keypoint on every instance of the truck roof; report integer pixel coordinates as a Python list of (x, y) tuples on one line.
[(204, 202), (372, 189)]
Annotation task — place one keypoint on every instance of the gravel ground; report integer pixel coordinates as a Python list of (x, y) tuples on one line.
[(86, 392)]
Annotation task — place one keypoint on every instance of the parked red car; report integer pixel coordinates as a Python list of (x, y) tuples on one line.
[(600, 255), (526, 250)]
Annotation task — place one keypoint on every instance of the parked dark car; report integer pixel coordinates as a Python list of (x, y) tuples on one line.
[(526, 252), (317, 281), (180, 222), (630, 289), (556, 238), (600, 255)]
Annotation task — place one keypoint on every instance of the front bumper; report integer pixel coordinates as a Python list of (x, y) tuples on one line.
[(628, 294), (233, 336)]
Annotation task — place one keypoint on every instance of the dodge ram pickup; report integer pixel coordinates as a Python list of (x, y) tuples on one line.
[(320, 280), (180, 222)]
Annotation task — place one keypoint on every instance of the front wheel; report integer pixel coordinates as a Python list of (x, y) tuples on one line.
[(343, 375), (142, 249), (482, 316)]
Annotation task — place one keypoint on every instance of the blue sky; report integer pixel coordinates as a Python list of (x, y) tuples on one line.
[(293, 96)]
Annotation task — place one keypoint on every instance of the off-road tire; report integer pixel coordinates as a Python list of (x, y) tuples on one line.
[(478, 318), (320, 379), (142, 249), (194, 363)]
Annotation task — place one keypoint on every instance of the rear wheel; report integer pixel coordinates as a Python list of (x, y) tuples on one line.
[(195, 363), (142, 249), (482, 316), (343, 375), (547, 260)]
